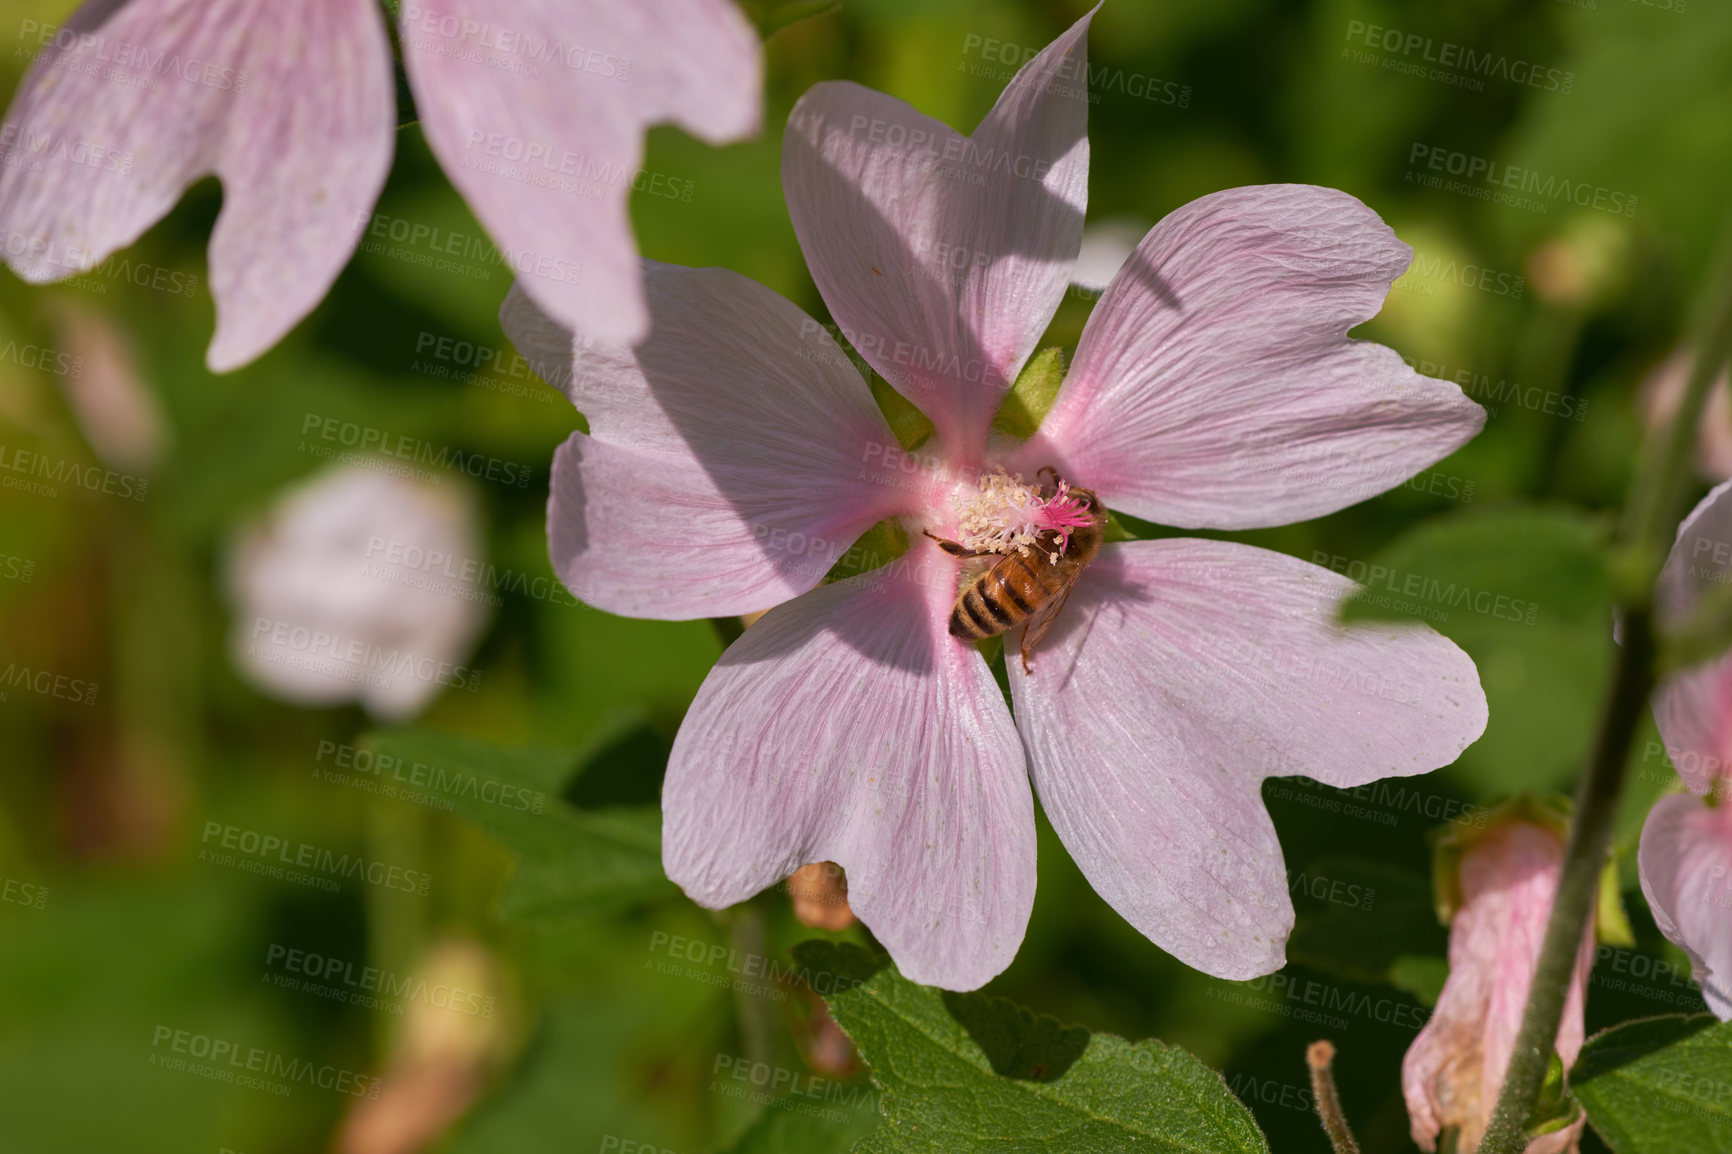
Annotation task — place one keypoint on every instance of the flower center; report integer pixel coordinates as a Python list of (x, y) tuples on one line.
[(1004, 514)]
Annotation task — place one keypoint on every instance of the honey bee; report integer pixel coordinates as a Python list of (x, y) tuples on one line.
[(1025, 585)]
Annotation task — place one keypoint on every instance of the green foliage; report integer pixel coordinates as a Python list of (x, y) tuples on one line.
[(1659, 1085), (570, 861), (967, 1072), (1524, 591)]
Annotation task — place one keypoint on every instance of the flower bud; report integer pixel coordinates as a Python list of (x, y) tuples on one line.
[(1505, 878), (820, 895), (451, 1040), (1587, 263)]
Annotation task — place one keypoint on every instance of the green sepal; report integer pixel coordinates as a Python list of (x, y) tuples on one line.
[(1554, 1109), (877, 547), (1611, 923), (1028, 400), (909, 425)]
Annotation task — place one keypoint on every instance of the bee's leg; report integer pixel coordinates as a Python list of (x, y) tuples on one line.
[(1056, 479), (956, 548), (1026, 667)]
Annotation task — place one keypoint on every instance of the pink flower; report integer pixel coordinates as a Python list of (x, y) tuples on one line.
[(1685, 857), (535, 110), (1453, 1070), (734, 455)]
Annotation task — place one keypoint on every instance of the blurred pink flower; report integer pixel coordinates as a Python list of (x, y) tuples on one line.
[(736, 453), (1451, 1075), (359, 585), (535, 110), (116, 410), (1661, 393), (1685, 857)]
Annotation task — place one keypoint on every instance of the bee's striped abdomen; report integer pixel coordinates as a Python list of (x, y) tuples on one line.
[(1001, 599)]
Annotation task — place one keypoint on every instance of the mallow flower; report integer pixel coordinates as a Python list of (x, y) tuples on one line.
[(1499, 901), (1685, 855), (360, 585), (535, 110), (733, 456)]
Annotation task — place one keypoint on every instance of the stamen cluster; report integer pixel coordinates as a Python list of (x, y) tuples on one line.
[(1005, 515)]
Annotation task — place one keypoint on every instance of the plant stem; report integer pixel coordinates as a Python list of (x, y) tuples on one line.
[(1318, 1057), (1590, 835), (1651, 516), (756, 1016)]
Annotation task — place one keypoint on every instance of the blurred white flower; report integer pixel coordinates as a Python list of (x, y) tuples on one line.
[(360, 585)]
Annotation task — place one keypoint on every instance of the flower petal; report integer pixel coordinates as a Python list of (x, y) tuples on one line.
[(732, 457), (1179, 676), (1215, 386), (290, 105), (846, 726), (537, 112), (942, 256), (1685, 864), (1693, 708)]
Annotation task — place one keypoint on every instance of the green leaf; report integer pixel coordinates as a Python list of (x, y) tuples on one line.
[(1524, 591), (771, 16), (1659, 1085), (570, 861), (1357, 918), (1420, 975), (797, 1125), (967, 1072), (1032, 395)]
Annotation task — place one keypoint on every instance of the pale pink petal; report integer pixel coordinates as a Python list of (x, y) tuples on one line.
[(1179, 676), (1452, 1072), (732, 457), (290, 105), (1694, 708), (1215, 386), (943, 256), (537, 110), (846, 726), (1686, 872)]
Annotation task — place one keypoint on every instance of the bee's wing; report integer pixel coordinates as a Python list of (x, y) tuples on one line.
[(1041, 620)]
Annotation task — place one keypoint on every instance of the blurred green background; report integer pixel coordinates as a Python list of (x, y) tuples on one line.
[(1551, 314)]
